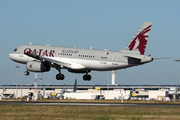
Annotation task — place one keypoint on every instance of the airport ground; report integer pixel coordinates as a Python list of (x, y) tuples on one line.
[(18, 111)]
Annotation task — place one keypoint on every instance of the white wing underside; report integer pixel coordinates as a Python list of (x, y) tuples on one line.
[(64, 64), (56, 61)]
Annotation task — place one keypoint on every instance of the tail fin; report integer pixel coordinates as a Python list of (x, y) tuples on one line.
[(139, 41), (75, 84)]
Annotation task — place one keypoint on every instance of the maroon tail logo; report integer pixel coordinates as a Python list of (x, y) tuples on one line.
[(141, 38)]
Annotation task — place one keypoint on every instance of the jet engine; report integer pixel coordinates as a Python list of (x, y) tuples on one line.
[(36, 66), (78, 71)]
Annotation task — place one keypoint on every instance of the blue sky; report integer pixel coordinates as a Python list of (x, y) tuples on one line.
[(89, 23)]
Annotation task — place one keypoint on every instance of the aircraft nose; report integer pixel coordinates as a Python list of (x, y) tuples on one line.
[(10, 56)]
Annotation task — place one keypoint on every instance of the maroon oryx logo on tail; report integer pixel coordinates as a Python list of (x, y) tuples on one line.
[(140, 41)]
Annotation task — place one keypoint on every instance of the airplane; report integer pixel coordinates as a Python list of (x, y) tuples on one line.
[(41, 58), (62, 92), (74, 89), (173, 91)]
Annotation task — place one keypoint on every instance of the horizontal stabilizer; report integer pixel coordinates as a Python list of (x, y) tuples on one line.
[(131, 56), (133, 60), (138, 59)]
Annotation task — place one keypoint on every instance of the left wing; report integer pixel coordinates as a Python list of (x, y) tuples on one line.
[(62, 64)]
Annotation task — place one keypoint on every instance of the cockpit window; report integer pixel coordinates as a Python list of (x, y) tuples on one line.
[(15, 50)]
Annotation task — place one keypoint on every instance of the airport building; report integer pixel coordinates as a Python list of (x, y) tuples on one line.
[(143, 92)]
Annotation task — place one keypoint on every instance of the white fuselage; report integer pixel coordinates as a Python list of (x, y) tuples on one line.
[(89, 59)]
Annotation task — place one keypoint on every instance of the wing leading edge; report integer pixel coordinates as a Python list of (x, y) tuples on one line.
[(62, 64)]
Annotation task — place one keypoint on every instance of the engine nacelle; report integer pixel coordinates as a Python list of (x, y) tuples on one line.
[(78, 71), (35, 66)]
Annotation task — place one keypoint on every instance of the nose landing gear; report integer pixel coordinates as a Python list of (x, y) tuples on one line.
[(26, 73)]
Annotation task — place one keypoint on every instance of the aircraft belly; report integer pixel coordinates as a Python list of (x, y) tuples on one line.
[(96, 65), (108, 66)]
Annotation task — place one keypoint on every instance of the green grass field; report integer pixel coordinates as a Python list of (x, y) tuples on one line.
[(28, 112)]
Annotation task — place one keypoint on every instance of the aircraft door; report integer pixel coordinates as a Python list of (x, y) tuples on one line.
[(115, 57), (21, 52)]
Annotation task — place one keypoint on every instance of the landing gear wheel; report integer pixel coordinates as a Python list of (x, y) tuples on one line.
[(26, 73), (87, 77), (60, 77), (84, 77)]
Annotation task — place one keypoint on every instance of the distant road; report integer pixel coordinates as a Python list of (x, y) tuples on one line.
[(89, 104)]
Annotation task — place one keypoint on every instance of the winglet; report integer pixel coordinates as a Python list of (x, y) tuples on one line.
[(139, 41)]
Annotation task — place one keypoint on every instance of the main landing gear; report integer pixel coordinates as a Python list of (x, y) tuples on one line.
[(87, 77), (59, 76)]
